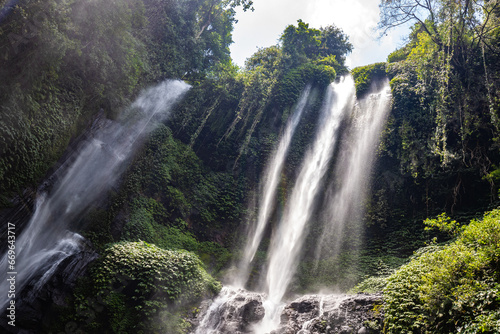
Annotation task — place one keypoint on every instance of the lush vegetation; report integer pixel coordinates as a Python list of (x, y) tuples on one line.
[(439, 150), (136, 287), (192, 185), (188, 188), (64, 61), (364, 76), (166, 198), (439, 153), (452, 288)]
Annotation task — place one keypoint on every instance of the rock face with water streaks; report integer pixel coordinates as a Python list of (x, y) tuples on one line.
[(358, 314), (237, 311), (234, 311)]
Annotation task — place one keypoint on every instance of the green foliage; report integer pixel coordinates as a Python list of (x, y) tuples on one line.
[(65, 61), (493, 178), (302, 43), (397, 55), (188, 188), (295, 80), (173, 276), (365, 75), (59, 75), (264, 92), (140, 288), (372, 284), (443, 223), (167, 187), (375, 283), (439, 144), (451, 289), (268, 58), (319, 74)]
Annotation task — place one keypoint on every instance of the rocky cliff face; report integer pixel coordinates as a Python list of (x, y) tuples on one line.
[(236, 311)]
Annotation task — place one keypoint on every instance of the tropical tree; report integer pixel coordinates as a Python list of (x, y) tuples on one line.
[(301, 43)]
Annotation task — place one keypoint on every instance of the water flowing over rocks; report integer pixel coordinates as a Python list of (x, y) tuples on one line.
[(47, 291), (236, 311), (49, 257), (343, 314), (232, 311)]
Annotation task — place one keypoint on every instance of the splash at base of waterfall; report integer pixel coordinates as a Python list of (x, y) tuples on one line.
[(234, 311), (237, 311)]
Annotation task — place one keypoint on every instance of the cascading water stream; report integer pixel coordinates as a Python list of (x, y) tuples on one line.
[(46, 241), (213, 318), (288, 240), (353, 171), (306, 325), (229, 312), (269, 185)]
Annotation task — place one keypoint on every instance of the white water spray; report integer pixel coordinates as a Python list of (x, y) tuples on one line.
[(353, 171), (288, 239), (269, 185), (45, 241), (225, 314)]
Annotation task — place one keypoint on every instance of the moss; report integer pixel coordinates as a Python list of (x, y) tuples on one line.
[(137, 287), (365, 75)]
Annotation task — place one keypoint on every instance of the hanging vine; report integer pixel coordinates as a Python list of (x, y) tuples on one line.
[(440, 138), (491, 105)]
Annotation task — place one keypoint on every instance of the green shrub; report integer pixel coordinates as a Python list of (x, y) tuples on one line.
[(443, 223), (371, 284), (398, 55), (295, 80), (450, 289), (137, 284), (364, 76)]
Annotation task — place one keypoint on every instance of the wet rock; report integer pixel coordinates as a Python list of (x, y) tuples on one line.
[(342, 314), (37, 307), (363, 330), (234, 311)]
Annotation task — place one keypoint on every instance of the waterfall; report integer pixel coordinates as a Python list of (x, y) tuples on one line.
[(229, 313), (269, 185), (45, 241), (353, 170), (287, 241)]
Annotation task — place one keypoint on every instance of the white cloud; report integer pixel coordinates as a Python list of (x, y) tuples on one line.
[(357, 18)]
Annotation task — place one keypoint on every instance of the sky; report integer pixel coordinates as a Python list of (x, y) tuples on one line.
[(357, 18)]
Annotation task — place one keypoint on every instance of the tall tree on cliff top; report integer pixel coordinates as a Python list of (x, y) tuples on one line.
[(210, 10), (301, 43), (459, 20)]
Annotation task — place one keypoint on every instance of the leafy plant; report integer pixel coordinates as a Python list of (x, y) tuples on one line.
[(451, 289), (364, 76), (139, 286)]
